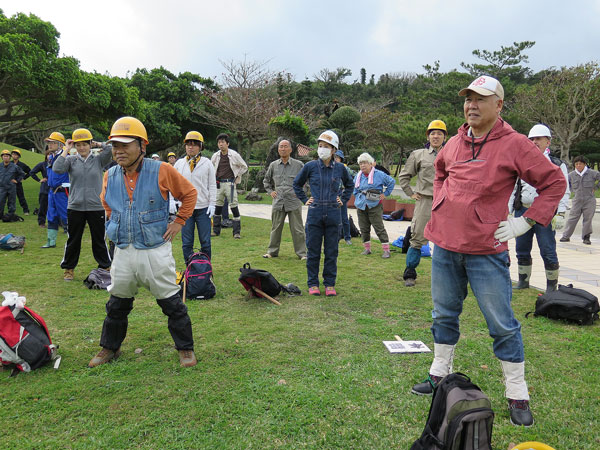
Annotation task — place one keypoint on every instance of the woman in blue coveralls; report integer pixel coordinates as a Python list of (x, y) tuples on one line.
[(323, 221)]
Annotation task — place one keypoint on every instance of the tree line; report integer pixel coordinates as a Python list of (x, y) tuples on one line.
[(41, 91)]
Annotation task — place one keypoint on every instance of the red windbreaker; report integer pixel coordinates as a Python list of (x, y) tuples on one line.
[(472, 186)]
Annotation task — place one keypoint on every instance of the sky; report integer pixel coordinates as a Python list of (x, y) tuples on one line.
[(303, 37)]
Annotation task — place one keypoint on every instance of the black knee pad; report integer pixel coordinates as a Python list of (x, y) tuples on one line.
[(525, 261), (119, 308), (235, 211), (218, 210), (551, 266), (410, 273)]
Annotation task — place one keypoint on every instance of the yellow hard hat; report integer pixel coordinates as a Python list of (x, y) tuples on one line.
[(81, 134), (193, 136), (437, 125), (5, 152), (532, 445), (128, 127), (15, 150), (56, 136), (171, 154)]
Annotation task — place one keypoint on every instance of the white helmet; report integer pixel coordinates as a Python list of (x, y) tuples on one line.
[(330, 137), (539, 130)]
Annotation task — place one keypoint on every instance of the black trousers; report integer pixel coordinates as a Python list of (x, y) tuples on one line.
[(21, 197), (76, 221), (43, 209)]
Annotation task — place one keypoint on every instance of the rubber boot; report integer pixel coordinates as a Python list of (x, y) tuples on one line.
[(216, 225), (237, 228), (516, 393), (551, 277), (524, 275), (441, 366), (51, 243), (367, 250)]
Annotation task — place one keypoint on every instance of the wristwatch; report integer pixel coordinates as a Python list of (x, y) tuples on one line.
[(531, 222)]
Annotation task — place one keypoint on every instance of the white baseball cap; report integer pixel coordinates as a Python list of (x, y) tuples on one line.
[(485, 86), (123, 139)]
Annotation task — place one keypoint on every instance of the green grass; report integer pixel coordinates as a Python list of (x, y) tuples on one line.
[(311, 373)]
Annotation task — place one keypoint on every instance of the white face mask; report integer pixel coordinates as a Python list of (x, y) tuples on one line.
[(324, 153)]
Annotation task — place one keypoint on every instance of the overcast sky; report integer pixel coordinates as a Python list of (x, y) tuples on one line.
[(302, 37)]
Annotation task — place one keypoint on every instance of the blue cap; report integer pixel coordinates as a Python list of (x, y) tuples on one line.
[(340, 154)]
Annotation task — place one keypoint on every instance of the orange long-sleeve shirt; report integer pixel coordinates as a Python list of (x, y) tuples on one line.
[(169, 180)]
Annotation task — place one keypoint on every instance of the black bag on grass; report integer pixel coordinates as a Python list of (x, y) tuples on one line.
[(568, 303), (198, 277), (460, 417), (260, 279), (12, 218), (98, 279)]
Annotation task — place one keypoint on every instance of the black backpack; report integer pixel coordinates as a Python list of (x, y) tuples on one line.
[(198, 278), (12, 218), (260, 279), (460, 417), (354, 232), (568, 303)]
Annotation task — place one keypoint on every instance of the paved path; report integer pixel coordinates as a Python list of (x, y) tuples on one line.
[(580, 264)]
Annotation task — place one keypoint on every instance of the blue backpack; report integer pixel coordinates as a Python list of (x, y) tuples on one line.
[(197, 281)]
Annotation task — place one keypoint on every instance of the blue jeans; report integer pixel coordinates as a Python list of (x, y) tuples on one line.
[(546, 242), (322, 227), (489, 278), (345, 228), (201, 221)]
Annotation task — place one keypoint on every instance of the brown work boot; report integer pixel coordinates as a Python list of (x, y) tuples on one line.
[(187, 358), (69, 274), (105, 355)]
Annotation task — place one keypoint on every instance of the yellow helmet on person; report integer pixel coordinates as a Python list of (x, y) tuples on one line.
[(55, 136), (437, 125), (194, 136), (16, 150), (126, 128), (171, 154), (5, 152), (81, 135)]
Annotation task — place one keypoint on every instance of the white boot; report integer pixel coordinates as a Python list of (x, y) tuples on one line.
[(443, 357)]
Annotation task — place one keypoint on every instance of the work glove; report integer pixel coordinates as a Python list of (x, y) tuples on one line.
[(511, 228), (558, 222), (210, 211)]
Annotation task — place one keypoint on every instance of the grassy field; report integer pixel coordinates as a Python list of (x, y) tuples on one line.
[(311, 373)]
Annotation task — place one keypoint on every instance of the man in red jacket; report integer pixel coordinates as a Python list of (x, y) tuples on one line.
[(474, 176)]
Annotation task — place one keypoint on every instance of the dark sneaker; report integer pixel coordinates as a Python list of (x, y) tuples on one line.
[(105, 355), (520, 414), (187, 358), (587, 241), (564, 239), (427, 386), (349, 241), (409, 282)]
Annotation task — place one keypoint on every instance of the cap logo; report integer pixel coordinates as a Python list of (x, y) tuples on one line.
[(122, 126), (479, 81), (80, 136)]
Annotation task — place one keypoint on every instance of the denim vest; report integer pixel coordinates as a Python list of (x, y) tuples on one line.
[(142, 221)]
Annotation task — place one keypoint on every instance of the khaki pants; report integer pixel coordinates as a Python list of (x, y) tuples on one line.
[(374, 217), (420, 218), (296, 229), (225, 189)]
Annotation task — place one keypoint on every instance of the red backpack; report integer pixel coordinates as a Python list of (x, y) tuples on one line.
[(24, 339)]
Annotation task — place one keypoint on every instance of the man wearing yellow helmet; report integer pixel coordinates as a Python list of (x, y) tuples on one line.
[(10, 175), (135, 195), (58, 185), (201, 173), (420, 164), (16, 155), (171, 158), (85, 174)]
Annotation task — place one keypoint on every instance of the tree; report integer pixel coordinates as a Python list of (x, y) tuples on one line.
[(290, 126), (503, 63), (166, 103), (248, 99), (568, 101), (343, 121)]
